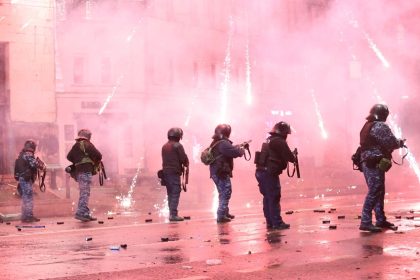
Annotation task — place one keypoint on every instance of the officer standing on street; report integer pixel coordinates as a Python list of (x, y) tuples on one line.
[(221, 169), (272, 160), (86, 158), (174, 159), (26, 167), (377, 143)]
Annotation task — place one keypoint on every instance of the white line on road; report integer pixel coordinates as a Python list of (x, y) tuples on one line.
[(193, 278)]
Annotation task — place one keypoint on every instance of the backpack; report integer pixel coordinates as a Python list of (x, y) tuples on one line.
[(22, 169), (207, 156)]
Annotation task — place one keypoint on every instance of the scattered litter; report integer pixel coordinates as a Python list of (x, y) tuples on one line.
[(114, 248), (249, 252), (333, 209), (110, 218), (7, 223), (88, 238), (60, 223), (164, 239), (35, 226), (207, 240), (124, 246), (187, 217), (357, 267), (148, 220), (289, 212), (298, 251), (359, 217), (411, 211), (326, 222), (341, 217), (397, 217), (150, 213), (100, 222), (19, 229), (319, 211), (399, 232), (333, 227), (410, 218), (186, 267), (213, 262)]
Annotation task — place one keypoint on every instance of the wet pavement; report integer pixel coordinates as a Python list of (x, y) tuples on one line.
[(201, 249)]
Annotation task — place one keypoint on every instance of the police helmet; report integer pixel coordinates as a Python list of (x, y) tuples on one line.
[(281, 128), (29, 145), (84, 134), (222, 131), (175, 133), (379, 112)]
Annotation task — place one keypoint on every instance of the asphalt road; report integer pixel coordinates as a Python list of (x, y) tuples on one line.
[(201, 249)]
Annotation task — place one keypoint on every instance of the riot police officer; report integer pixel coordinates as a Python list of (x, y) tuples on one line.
[(272, 160), (174, 159), (86, 159), (221, 169), (377, 143), (26, 167)]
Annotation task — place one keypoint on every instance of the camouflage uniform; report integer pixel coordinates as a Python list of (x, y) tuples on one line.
[(385, 143), (26, 185), (85, 181), (84, 156)]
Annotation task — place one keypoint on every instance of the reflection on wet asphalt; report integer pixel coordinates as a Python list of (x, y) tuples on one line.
[(68, 249)]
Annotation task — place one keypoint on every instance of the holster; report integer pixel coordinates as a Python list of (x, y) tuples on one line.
[(385, 164)]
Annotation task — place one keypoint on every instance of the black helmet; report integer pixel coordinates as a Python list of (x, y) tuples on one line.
[(30, 146), (222, 130), (379, 112), (281, 128), (175, 133), (84, 134)]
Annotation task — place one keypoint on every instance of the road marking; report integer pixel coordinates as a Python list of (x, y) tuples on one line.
[(249, 270), (193, 278)]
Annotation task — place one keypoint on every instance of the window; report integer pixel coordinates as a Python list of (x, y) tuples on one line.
[(69, 132), (78, 70), (106, 70), (195, 74)]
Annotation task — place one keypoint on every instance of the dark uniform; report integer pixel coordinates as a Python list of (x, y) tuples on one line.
[(273, 159), (221, 169), (377, 142), (26, 168), (85, 157), (174, 159)]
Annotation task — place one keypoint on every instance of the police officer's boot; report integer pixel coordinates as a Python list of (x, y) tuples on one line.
[(30, 219), (223, 220), (230, 216), (386, 225), (176, 219), (281, 226), (370, 228)]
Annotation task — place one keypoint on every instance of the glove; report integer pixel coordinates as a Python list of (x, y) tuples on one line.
[(401, 143)]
